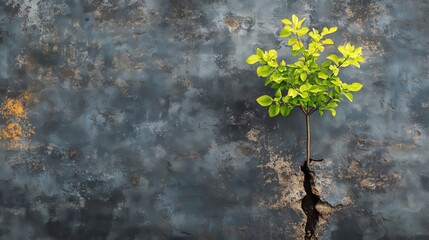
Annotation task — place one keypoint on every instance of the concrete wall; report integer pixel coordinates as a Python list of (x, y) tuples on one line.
[(146, 125)]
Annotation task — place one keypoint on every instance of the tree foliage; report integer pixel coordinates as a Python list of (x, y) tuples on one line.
[(309, 83)]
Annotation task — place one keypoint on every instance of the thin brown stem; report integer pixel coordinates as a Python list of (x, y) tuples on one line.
[(307, 121), (315, 109)]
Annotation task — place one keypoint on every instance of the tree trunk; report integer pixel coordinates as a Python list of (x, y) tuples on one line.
[(307, 121)]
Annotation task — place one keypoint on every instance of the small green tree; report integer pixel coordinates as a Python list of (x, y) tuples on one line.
[(306, 84)]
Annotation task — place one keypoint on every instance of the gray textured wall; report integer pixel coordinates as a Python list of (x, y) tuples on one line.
[(147, 126)]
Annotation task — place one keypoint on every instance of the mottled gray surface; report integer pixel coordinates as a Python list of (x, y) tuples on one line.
[(147, 126)]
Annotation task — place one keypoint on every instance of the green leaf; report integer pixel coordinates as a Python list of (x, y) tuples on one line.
[(268, 81), (322, 75), (346, 63), (325, 31), (296, 46), (275, 85), (304, 95), (349, 47), (358, 50), (314, 65), (272, 53), (333, 29), (286, 21), (349, 96), (315, 89), (277, 77), (273, 110), (326, 64), (328, 41), (292, 41), (333, 112), (252, 59), (303, 76), (353, 55), (343, 51), (278, 93), (285, 110), (332, 105), (286, 99), (259, 52), (294, 19), (337, 88), (360, 59), (334, 69), (302, 31), (265, 100), (337, 82), (300, 23), (304, 87), (292, 93), (266, 56), (285, 33), (355, 63), (328, 31), (273, 63), (295, 52), (354, 87), (333, 58), (315, 35), (299, 64), (263, 71)]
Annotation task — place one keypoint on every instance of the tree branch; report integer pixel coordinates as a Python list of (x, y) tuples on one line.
[(303, 111), (320, 106)]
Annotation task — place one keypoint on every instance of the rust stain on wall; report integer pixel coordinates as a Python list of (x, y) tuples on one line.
[(16, 125)]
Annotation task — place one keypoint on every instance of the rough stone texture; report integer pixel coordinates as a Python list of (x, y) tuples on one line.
[(147, 126)]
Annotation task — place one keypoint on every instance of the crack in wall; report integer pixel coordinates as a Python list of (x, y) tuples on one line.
[(309, 203), (316, 210)]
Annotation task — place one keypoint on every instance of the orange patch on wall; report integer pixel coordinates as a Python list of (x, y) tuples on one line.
[(15, 126)]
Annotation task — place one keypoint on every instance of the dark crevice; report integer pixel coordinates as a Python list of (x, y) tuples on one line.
[(309, 203)]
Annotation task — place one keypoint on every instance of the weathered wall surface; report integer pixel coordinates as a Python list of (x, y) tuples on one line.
[(146, 125)]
